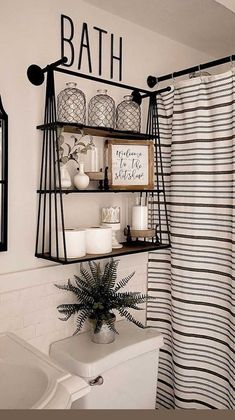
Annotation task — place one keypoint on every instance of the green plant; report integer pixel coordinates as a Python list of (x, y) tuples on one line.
[(73, 151), (98, 296)]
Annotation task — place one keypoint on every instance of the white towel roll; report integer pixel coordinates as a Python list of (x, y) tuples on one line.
[(139, 217), (75, 240), (98, 240)]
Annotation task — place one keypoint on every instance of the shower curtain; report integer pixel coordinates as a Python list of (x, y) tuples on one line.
[(194, 281)]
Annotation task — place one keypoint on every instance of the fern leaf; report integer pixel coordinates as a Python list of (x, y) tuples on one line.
[(123, 282), (111, 276), (62, 287), (67, 307), (111, 326), (133, 297), (134, 306), (69, 287), (129, 317), (98, 326), (106, 271), (68, 310), (81, 320), (65, 318), (94, 271), (81, 283), (81, 294), (87, 276)]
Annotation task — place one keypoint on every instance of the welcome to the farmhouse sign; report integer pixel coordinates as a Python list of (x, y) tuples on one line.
[(79, 49)]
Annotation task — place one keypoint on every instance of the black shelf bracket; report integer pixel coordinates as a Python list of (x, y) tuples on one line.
[(36, 74)]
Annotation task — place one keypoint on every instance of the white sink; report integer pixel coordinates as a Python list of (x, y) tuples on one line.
[(30, 379)]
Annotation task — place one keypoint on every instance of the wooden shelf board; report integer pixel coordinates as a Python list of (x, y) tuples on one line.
[(134, 248), (95, 131)]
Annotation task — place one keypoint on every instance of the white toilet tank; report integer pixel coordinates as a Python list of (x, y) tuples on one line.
[(122, 375)]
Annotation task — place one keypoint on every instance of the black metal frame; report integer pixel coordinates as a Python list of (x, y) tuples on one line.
[(4, 179), (51, 195)]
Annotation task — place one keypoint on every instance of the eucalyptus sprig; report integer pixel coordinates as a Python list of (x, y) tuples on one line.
[(78, 147)]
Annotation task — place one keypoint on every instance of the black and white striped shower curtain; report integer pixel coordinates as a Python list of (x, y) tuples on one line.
[(194, 281)]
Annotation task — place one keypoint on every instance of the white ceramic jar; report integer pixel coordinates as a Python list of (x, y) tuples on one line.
[(81, 180)]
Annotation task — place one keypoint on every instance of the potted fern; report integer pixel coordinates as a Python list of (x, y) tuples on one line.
[(98, 296)]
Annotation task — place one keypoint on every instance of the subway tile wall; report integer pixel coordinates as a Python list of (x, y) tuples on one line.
[(28, 300)]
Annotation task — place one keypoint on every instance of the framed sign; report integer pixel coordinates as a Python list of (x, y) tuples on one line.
[(130, 163)]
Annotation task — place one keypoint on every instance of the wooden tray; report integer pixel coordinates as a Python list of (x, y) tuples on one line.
[(147, 233), (96, 176)]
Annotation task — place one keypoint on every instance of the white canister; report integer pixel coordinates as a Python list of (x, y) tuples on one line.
[(98, 240), (75, 240), (139, 218), (110, 215), (92, 159)]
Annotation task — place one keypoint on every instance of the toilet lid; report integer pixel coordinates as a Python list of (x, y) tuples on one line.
[(79, 355)]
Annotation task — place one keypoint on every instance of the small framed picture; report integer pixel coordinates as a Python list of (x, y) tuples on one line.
[(130, 163)]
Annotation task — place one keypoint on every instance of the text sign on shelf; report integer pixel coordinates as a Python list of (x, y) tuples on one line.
[(130, 164)]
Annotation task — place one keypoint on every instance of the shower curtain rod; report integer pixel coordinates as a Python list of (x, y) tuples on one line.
[(152, 80)]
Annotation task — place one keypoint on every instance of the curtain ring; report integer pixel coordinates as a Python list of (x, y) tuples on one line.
[(157, 83), (231, 63), (200, 72), (173, 79)]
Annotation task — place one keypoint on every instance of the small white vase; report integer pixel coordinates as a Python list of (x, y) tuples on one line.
[(66, 181), (81, 180)]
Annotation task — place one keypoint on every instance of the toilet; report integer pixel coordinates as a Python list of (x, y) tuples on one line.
[(121, 375)]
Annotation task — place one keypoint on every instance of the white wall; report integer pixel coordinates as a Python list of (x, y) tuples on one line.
[(30, 33), (230, 4)]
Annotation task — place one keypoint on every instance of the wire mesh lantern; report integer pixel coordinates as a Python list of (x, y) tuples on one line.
[(128, 115), (101, 110), (71, 104)]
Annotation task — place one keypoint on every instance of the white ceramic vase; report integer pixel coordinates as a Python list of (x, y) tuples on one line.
[(81, 180), (66, 181)]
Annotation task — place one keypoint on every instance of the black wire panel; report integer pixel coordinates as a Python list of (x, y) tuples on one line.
[(4, 180)]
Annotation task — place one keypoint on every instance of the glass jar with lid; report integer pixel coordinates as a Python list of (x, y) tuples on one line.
[(101, 110), (128, 115), (92, 157), (71, 104)]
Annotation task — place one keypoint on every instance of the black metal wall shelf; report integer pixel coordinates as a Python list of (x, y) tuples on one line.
[(136, 248), (95, 131), (50, 237)]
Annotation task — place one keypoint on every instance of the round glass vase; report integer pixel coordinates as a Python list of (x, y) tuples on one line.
[(128, 115), (105, 335), (101, 110), (71, 105)]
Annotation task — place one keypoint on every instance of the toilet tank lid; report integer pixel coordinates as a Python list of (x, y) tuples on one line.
[(80, 356)]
